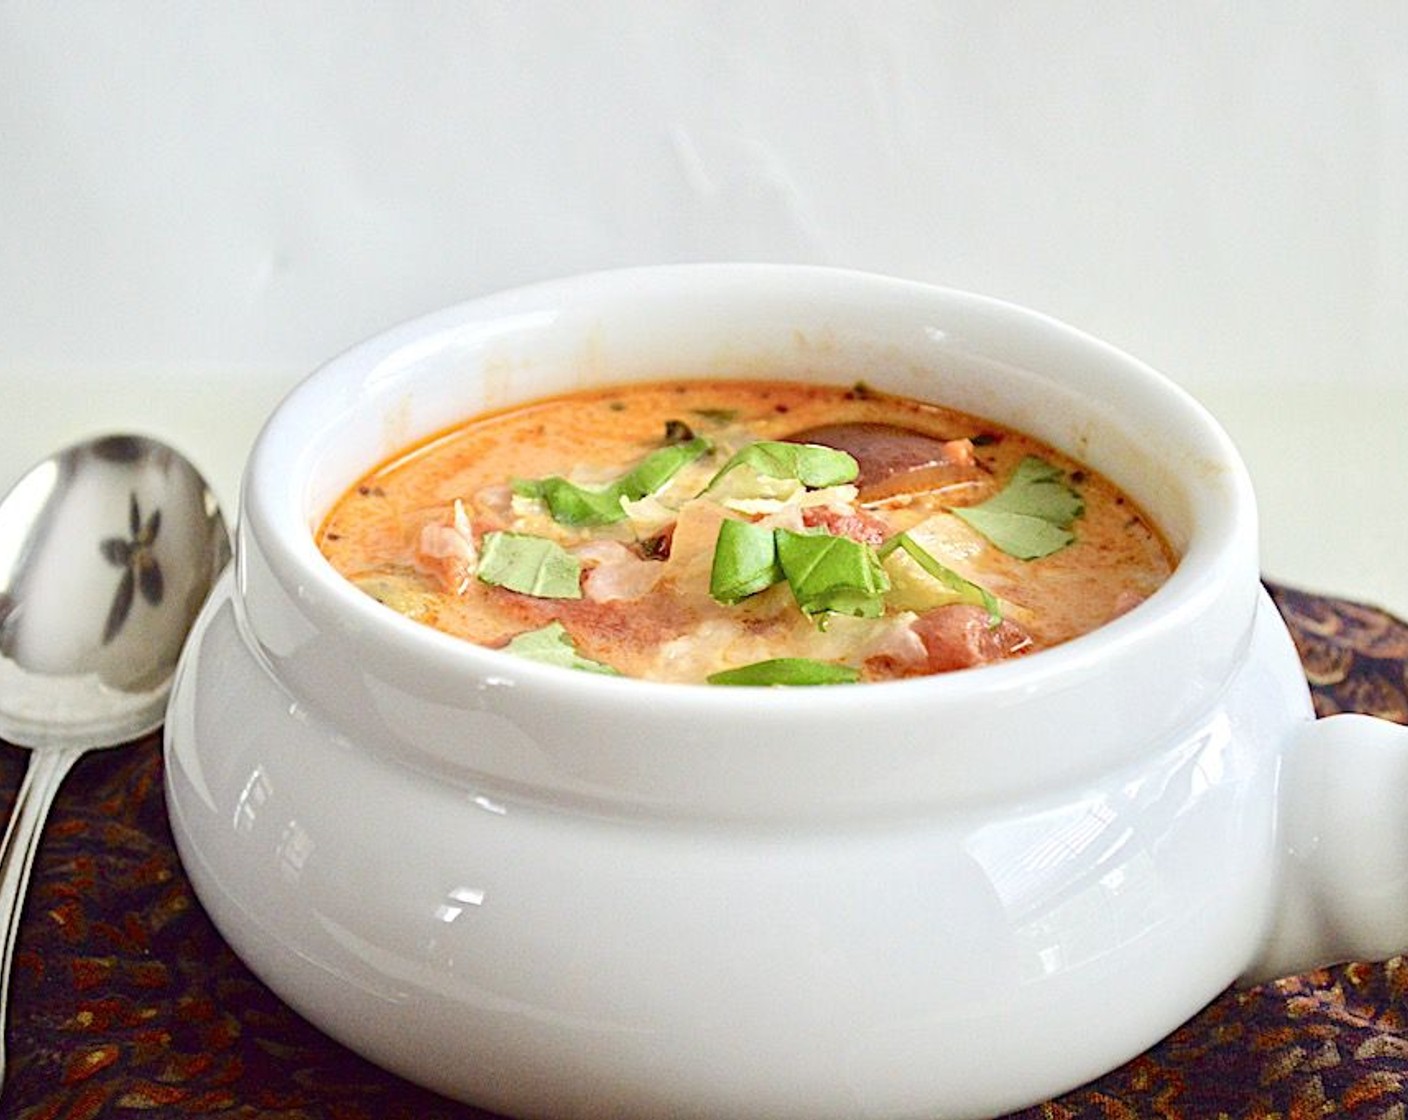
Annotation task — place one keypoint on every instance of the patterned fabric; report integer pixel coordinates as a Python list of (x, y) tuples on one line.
[(126, 1003)]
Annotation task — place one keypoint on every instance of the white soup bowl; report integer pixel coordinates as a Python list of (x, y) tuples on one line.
[(557, 894)]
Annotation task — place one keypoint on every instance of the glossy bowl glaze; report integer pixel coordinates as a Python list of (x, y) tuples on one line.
[(556, 894)]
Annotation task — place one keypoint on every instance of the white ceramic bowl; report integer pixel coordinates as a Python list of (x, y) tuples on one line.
[(562, 895)]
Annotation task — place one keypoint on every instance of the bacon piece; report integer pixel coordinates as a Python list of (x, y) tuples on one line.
[(961, 635), (447, 552), (615, 572), (493, 508), (895, 460), (856, 524)]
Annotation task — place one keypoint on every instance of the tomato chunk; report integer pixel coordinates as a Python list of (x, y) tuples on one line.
[(961, 636)]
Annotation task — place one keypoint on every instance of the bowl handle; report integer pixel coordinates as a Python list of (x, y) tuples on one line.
[(1343, 837)]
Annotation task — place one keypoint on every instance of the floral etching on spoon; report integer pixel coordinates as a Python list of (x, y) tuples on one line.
[(136, 556)]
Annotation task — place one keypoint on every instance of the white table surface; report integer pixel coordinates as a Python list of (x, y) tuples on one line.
[(1330, 467)]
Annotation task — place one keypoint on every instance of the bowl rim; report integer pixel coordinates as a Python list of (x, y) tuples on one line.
[(274, 495)]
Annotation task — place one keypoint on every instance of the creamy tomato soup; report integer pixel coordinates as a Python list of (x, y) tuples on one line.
[(741, 532)]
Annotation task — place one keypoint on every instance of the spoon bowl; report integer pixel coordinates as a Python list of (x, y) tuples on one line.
[(107, 551)]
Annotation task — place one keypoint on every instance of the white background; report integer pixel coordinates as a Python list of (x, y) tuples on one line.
[(200, 202)]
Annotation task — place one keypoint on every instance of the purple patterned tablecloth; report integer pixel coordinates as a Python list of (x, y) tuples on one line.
[(126, 1003)]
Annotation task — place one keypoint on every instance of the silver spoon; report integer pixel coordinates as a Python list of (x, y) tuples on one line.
[(107, 551)]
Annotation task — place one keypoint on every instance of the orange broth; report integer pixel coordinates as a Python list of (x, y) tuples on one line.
[(418, 532)]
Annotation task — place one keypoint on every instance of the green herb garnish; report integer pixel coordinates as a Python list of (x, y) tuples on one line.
[(1031, 516), (811, 464), (830, 573), (657, 468), (745, 561), (570, 504), (965, 590), (530, 565), (827, 573), (787, 671), (552, 645)]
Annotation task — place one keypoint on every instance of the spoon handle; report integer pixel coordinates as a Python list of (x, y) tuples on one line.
[(41, 783)]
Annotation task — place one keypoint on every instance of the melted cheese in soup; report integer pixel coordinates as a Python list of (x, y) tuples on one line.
[(746, 532)]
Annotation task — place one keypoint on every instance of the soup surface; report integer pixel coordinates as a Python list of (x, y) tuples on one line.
[(745, 532)]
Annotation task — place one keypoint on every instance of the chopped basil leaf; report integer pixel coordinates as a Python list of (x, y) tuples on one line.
[(1031, 516), (552, 645), (829, 573), (570, 504), (787, 671), (530, 565), (745, 561), (811, 464), (657, 468), (966, 590)]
